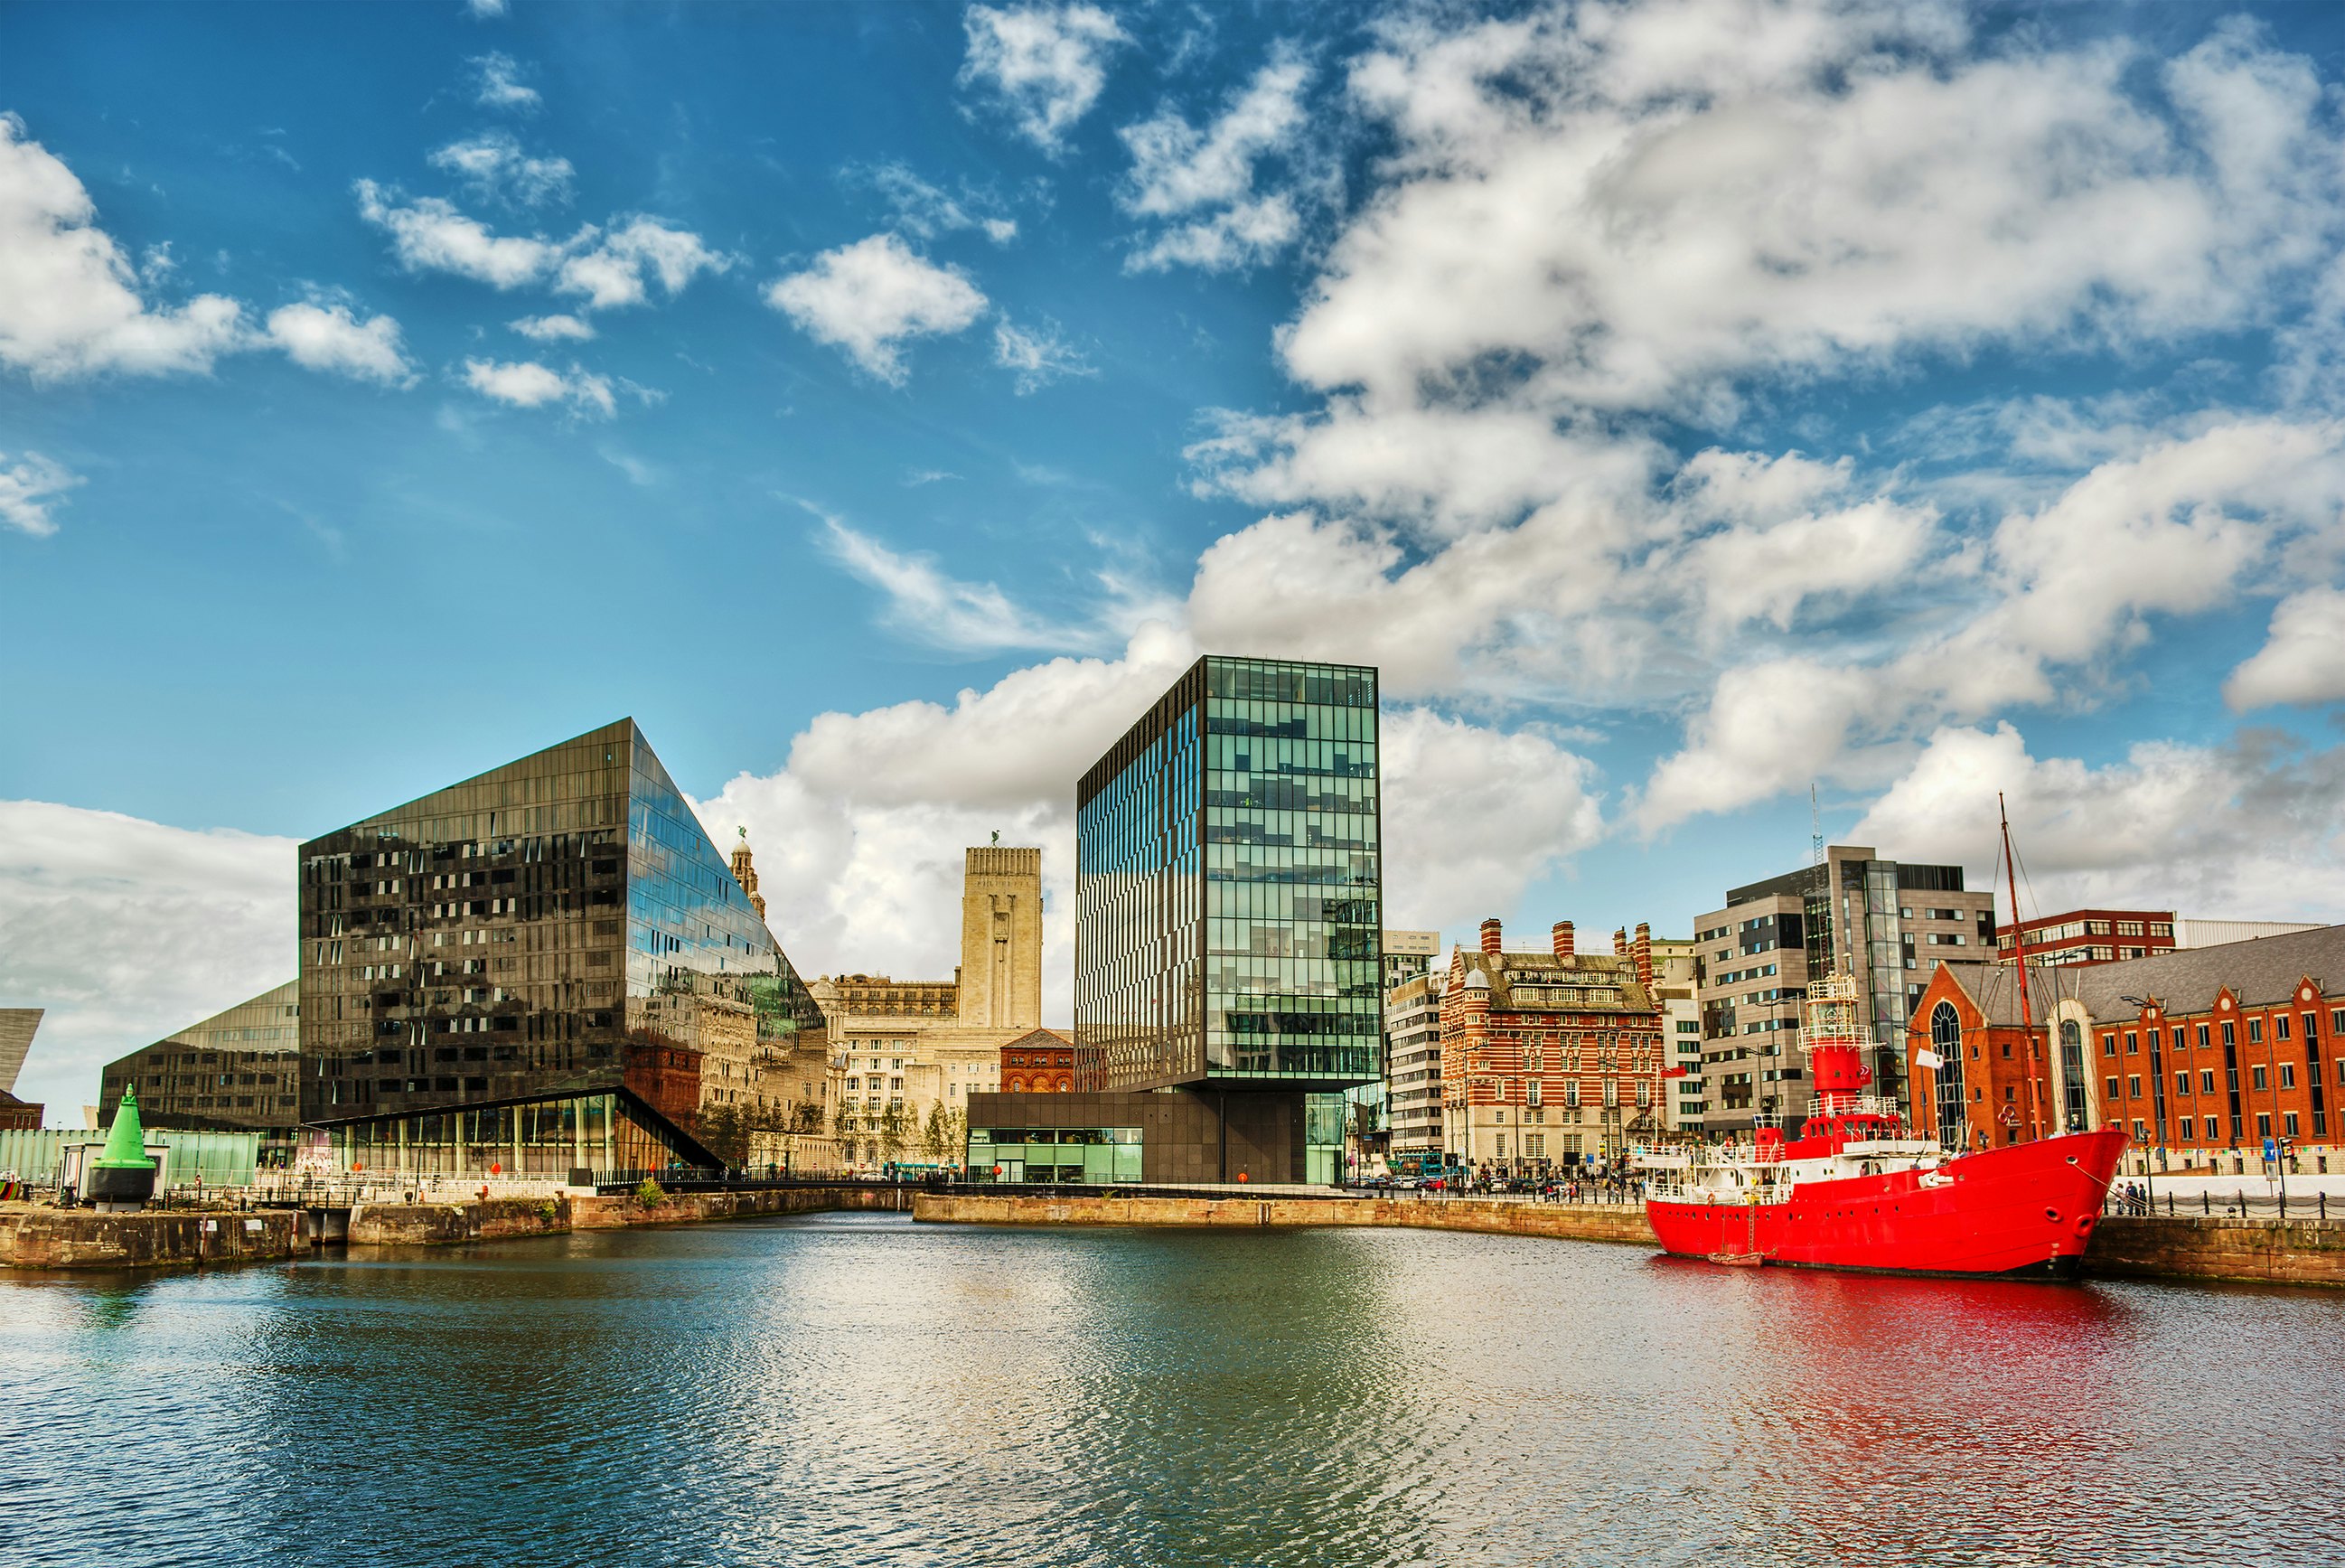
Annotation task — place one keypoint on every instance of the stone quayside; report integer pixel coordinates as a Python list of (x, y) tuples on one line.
[(2300, 1252)]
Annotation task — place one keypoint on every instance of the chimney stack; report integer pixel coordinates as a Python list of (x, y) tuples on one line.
[(1563, 941), (1490, 934), (1644, 952), (1619, 942)]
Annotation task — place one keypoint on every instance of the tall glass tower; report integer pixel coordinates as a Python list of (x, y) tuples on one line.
[(1228, 867)]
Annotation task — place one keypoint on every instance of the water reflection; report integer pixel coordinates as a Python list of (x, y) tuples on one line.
[(856, 1389)]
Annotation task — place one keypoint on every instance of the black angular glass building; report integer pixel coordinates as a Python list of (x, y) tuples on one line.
[(1228, 860), (530, 971)]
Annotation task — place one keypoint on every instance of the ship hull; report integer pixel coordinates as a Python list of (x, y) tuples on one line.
[(2022, 1211)]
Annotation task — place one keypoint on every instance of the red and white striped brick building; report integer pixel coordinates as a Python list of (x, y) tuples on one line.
[(1549, 1059)]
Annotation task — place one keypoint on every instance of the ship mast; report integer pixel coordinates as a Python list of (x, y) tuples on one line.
[(2019, 953)]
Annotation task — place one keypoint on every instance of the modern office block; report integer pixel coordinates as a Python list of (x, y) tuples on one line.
[(545, 967), (1228, 903), (1228, 882)]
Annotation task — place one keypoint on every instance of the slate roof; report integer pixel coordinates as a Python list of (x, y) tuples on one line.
[(1507, 969), (2259, 972)]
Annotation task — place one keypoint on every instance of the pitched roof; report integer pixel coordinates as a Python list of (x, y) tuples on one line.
[(1505, 971), (2184, 981)]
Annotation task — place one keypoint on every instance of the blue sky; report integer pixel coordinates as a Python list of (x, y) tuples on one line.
[(1683, 404)]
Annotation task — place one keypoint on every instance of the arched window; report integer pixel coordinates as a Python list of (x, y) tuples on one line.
[(1066, 1086), (1946, 1040), (2072, 1075)]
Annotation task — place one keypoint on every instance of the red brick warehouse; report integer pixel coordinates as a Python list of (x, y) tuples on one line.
[(2200, 1054)]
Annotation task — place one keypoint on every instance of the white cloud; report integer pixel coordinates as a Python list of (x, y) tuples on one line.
[(1038, 358), (925, 211), (1447, 787), (494, 168), (608, 268), (2302, 663), (640, 474), (1786, 543), (2172, 530), (925, 603), (430, 235), (1200, 184), (1643, 207), (871, 297), (1239, 235), (126, 930), (553, 329), (70, 303), (329, 338), (1043, 66), (1769, 728), (617, 269), (497, 83), (525, 384), (29, 488), (2252, 829), (483, 10)]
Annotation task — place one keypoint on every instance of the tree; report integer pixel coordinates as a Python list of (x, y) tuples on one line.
[(934, 1136), (725, 1133), (842, 1122), (895, 1125), (806, 1116)]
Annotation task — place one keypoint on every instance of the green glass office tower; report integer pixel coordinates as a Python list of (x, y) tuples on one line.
[(1228, 864), (537, 969)]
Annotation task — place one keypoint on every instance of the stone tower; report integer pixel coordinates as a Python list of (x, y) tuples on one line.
[(745, 872), (1001, 939)]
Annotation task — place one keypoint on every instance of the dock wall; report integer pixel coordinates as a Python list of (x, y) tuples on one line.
[(440, 1224), (43, 1237), (2286, 1252), (1567, 1221), (2297, 1252)]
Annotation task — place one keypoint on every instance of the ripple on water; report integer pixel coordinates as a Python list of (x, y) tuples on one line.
[(850, 1390)]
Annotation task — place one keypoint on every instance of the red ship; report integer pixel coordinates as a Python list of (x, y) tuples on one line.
[(1858, 1190)]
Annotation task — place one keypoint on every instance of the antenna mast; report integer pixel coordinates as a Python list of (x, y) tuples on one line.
[(1815, 830), (2019, 955)]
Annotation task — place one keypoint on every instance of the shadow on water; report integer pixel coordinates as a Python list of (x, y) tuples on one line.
[(837, 1389)]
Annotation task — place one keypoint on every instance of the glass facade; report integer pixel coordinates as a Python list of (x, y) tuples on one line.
[(542, 1138), (557, 931), (1094, 1156), (1228, 866)]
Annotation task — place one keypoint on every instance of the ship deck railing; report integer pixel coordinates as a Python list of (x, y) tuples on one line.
[(1679, 1192), (1855, 1106)]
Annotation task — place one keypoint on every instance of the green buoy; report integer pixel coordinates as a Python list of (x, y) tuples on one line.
[(123, 1175)]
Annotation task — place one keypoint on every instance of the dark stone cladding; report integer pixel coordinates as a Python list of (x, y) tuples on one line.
[(1186, 1136)]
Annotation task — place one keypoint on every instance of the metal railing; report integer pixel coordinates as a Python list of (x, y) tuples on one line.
[(1678, 1192), (2239, 1204)]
